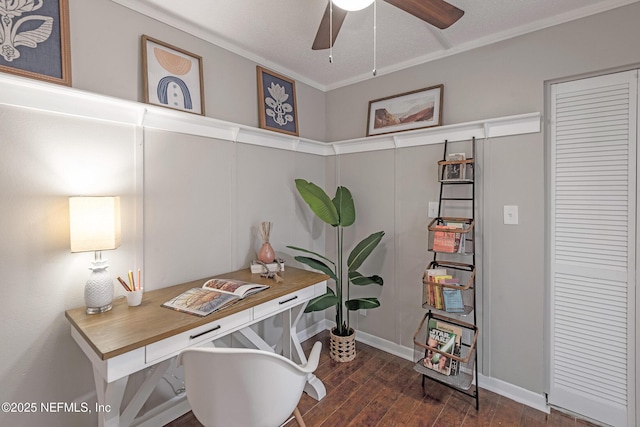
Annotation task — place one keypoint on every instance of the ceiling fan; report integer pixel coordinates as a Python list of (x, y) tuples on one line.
[(438, 13)]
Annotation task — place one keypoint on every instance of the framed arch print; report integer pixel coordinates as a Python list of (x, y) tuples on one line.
[(172, 77), (36, 42)]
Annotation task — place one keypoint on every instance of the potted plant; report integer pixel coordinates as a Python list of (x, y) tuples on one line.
[(339, 212)]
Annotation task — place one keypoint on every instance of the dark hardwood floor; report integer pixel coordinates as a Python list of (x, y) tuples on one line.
[(379, 389)]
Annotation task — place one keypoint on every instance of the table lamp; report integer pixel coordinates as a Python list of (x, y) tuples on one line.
[(95, 226)]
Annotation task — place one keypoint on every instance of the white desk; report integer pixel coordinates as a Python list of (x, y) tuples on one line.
[(126, 339)]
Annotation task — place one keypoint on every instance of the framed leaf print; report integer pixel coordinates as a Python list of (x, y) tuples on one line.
[(172, 77), (277, 102), (34, 40)]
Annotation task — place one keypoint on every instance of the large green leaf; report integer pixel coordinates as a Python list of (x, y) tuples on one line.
[(318, 201), (362, 303), (329, 299), (311, 252), (317, 265), (360, 280), (363, 250), (345, 207)]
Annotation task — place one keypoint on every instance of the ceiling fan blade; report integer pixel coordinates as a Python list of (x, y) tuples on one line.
[(438, 13), (322, 36)]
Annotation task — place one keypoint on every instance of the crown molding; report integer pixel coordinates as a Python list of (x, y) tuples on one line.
[(181, 24), (56, 99)]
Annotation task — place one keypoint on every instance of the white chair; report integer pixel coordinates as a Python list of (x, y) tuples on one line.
[(244, 387)]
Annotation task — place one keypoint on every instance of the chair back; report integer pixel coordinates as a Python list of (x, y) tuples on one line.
[(243, 387)]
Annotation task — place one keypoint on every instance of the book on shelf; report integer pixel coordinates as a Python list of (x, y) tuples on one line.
[(431, 290), (452, 300), (442, 340), (439, 300), (452, 297), (214, 295), (443, 297), (461, 237)]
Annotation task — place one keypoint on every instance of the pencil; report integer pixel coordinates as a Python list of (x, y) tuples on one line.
[(133, 284), (124, 285), (139, 282)]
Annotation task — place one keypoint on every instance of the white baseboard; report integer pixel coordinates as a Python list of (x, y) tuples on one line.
[(314, 329), (519, 394), (510, 391)]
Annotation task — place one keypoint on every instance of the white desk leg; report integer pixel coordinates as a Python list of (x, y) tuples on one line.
[(248, 338), (109, 399), (314, 387), (154, 375)]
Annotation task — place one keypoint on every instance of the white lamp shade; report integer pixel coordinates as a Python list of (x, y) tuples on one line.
[(352, 5), (94, 223)]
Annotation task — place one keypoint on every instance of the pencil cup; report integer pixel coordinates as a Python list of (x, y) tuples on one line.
[(134, 298)]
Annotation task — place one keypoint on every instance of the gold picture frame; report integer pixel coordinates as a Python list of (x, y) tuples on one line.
[(45, 53), (172, 77), (277, 105)]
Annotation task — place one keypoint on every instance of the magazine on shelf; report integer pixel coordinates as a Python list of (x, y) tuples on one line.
[(461, 237), (214, 295), (445, 240), (457, 330), (443, 340)]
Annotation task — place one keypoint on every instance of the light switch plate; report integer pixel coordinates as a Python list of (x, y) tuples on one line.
[(511, 214), (433, 209)]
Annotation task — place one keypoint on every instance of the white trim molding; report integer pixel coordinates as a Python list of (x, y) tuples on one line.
[(33, 94)]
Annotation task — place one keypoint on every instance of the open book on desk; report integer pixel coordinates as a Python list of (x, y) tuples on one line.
[(214, 295)]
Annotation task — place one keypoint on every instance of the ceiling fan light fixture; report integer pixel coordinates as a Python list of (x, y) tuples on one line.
[(352, 5)]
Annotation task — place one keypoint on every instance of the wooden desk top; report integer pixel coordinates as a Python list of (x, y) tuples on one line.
[(124, 328)]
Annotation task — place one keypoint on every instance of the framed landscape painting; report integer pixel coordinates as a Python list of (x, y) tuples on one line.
[(36, 40), (172, 77), (277, 102), (407, 111)]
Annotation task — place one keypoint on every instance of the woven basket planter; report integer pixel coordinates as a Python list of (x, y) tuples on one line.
[(342, 349)]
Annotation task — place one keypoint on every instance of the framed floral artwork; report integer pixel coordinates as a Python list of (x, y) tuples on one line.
[(407, 111), (277, 102), (172, 77), (36, 40)]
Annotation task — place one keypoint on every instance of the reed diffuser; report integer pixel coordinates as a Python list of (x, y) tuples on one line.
[(266, 253)]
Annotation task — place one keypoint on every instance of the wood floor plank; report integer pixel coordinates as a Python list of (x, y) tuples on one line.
[(378, 389), (508, 413), (454, 412), (357, 404)]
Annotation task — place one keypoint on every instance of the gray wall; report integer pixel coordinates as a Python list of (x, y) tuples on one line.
[(46, 158), (203, 203), (499, 80), (106, 59)]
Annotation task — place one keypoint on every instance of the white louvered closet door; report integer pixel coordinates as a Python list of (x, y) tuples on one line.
[(593, 240)]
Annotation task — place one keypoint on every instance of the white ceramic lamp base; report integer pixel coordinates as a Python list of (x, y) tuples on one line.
[(98, 292)]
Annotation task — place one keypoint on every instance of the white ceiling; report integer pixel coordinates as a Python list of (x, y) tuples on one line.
[(278, 34)]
